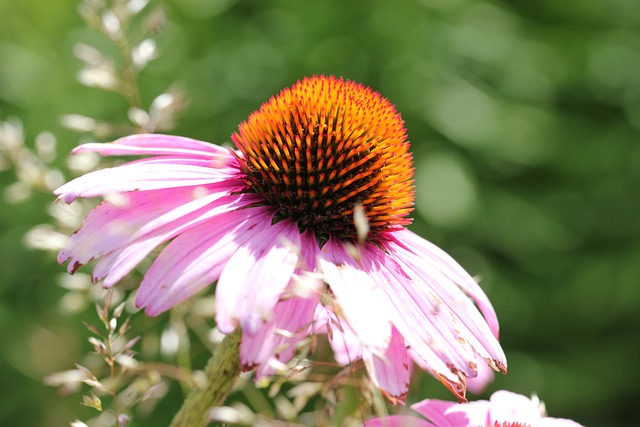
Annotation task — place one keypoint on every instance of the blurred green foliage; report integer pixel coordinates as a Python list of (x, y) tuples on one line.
[(524, 120)]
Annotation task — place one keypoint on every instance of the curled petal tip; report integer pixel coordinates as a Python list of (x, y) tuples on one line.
[(396, 400), (458, 388), (497, 365), (74, 266)]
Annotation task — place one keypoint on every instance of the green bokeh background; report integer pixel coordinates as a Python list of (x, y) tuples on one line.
[(523, 118)]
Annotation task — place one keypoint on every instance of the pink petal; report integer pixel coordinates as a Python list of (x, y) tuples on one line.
[(343, 340), (351, 285), (147, 174), (278, 337), (391, 373), (450, 414), (309, 252), (113, 266), (154, 144), (470, 327), (443, 262), (398, 421), (436, 410), (109, 227), (255, 277), (431, 333), (195, 258)]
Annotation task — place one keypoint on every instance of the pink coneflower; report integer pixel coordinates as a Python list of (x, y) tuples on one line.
[(505, 409), (303, 228)]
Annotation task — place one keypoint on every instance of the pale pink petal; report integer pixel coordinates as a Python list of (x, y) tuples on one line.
[(278, 337), (196, 258), (391, 373), (450, 414), (255, 277), (452, 305), (344, 342), (509, 407), (418, 316), (351, 284), (113, 266), (448, 266), (144, 175), (155, 144), (398, 421)]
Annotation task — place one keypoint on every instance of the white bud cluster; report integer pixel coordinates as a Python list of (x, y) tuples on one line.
[(101, 71), (32, 167)]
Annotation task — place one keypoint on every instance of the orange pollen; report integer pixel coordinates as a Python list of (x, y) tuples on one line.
[(318, 149)]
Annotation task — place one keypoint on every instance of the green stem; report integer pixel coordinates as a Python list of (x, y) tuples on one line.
[(221, 373)]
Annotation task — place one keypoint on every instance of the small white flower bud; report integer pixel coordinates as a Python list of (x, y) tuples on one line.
[(99, 77), (143, 53), (78, 123), (111, 24)]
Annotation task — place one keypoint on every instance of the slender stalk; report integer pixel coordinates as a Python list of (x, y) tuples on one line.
[(221, 373)]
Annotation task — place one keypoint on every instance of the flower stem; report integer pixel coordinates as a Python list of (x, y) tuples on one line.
[(221, 373)]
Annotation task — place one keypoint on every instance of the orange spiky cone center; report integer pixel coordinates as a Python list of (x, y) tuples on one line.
[(322, 148)]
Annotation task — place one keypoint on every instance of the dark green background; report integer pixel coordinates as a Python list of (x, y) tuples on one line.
[(523, 118)]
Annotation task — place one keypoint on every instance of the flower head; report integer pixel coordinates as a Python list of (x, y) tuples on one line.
[(303, 228), (504, 409), (320, 148)]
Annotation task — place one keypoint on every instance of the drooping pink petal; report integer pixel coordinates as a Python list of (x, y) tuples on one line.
[(398, 421), (469, 325), (278, 337), (414, 310), (155, 144), (391, 373), (450, 414), (113, 266), (443, 262), (197, 257), (255, 277), (350, 283), (144, 175), (291, 321), (412, 306), (110, 226)]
